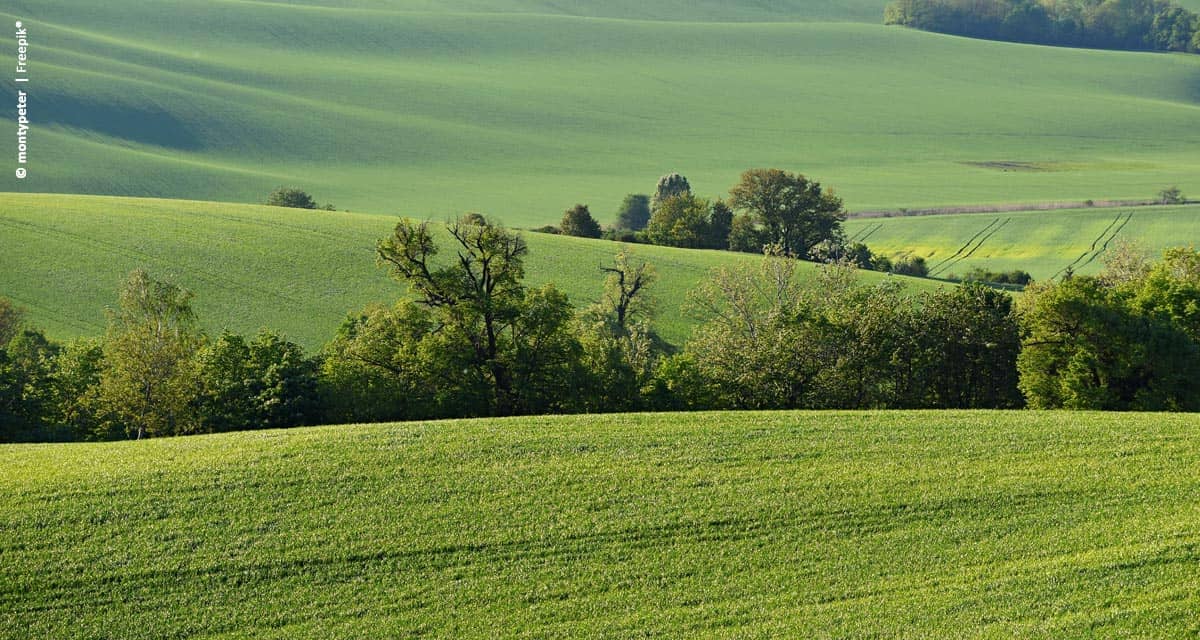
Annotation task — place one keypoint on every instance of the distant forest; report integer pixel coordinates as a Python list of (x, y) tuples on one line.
[(1156, 25)]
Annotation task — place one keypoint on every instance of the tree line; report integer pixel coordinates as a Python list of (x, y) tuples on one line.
[(472, 339), (1156, 25)]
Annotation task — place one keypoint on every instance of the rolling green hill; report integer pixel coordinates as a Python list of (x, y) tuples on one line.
[(297, 271), (523, 108), (924, 524), (1043, 243)]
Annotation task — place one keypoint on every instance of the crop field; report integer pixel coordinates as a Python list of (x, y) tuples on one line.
[(922, 524), (1044, 243), (296, 271), (523, 108)]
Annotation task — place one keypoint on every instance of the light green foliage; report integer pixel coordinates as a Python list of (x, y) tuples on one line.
[(784, 525), (1041, 243), (515, 108), (679, 221), (149, 380)]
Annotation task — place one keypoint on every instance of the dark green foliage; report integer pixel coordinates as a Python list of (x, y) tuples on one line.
[(266, 382), (1114, 24), (965, 342), (578, 221), (720, 223), (1014, 277), (291, 197), (1117, 344), (11, 319), (910, 265), (1171, 195), (634, 213), (795, 213), (26, 380)]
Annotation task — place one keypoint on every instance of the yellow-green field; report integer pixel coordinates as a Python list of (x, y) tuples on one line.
[(1043, 243)]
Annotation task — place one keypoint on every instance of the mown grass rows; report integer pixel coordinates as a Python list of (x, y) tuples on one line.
[(727, 525)]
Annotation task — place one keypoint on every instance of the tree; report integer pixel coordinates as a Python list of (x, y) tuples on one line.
[(484, 324), (745, 236), (264, 383), (619, 345), (291, 197), (152, 339), (11, 319), (669, 186), (1171, 195), (578, 221), (795, 212), (634, 213), (1086, 346), (26, 372), (680, 221), (720, 223)]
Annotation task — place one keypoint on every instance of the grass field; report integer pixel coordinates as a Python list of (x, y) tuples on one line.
[(925, 524), (1043, 243), (523, 108), (300, 272)]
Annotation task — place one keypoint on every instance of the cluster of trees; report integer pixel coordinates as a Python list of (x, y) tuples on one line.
[(294, 198), (1158, 25), (471, 339), (1127, 339), (1016, 277), (153, 373), (766, 207)]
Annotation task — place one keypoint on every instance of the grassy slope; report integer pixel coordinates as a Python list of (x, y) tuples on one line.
[(300, 272), (431, 112), (1040, 242), (939, 524)]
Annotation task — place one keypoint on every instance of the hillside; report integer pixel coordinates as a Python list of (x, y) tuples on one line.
[(297, 271), (1043, 243), (940, 524), (523, 108)]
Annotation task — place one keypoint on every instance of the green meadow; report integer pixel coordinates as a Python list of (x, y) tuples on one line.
[(1043, 243), (523, 108), (716, 525), (251, 267)]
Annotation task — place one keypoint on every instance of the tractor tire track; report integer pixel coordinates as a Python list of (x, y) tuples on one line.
[(946, 265), (965, 246)]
